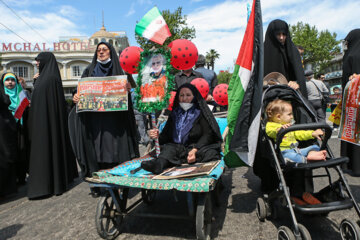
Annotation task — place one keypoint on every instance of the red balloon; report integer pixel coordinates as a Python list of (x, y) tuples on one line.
[(184, 54), (220, 94), (202, 86), (171, 100), (130, 59)]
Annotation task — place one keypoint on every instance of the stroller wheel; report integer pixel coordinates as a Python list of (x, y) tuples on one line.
[(261, 209), (285, 233), (304, 233), (349, 230)]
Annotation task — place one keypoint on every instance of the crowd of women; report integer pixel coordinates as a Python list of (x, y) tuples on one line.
[(39, 143)]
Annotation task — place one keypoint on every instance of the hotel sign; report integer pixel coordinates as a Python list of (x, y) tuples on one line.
[(38, 47)]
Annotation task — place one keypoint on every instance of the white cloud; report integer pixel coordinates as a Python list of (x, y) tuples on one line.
[(131, 10), (222, 26), (69, 11), (50, 26)]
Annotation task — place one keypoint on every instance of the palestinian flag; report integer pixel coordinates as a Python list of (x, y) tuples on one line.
[(245, 94), (153, 27)]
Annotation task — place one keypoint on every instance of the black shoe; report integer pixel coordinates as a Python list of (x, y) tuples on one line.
[(152, 166)]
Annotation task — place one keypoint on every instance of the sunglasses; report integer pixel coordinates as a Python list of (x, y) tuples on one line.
[(156, 63), (102, 49)]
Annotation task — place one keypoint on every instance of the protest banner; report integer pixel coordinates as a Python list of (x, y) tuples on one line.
[(99, 94)]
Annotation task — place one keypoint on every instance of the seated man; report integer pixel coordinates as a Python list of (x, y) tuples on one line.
[(190, 135)]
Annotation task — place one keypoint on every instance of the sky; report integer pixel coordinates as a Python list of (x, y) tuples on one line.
[(219, 25)]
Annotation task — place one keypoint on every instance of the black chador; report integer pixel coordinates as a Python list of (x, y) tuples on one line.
[(283, 58), (52, 164), (103, 140)]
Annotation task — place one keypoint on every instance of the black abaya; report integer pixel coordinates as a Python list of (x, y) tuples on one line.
[(52, 164), (103, 140), (8, 147), (284, 59), (351, 65)]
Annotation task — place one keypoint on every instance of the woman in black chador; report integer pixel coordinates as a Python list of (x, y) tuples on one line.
[(52, 164), (103, 140), (351, 65), (190, 135), (8, 146), (281, 55)]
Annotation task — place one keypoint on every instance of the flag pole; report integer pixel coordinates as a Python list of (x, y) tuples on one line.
[(157, 145)]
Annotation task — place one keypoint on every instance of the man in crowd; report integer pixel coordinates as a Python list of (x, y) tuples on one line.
[(186, 76), (209, 76)]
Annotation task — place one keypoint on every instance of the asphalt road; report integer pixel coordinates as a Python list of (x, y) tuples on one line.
[(71, 215)]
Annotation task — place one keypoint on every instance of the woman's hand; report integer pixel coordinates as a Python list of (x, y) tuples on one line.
[(317, 133), (293, 85), (192, 156), (76, 98), (153, 133)]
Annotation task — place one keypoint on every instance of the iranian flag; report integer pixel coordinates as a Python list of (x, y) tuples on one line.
[(153, 27), (245, 95), (23, 103)]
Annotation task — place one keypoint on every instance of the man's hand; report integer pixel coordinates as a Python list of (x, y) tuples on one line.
[(192, 156), (209, 98)]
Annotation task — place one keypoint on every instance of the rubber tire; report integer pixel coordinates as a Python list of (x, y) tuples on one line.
[(305, 235), (102, 214), (203, 216), (148, 196), (349, 230), (285, 233), (261, 209)]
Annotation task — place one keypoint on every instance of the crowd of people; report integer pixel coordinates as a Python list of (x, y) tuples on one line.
[(39, 144)]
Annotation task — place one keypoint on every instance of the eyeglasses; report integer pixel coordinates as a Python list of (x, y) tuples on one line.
[(102, 49), (156, 63)]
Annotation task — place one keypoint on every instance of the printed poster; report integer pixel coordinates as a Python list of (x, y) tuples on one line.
[(101, 94)]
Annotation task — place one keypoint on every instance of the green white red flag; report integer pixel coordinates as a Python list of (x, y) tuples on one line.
[(245, 94), (153, 27)]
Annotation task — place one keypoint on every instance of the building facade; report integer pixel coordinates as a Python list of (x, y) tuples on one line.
[(73, 55)]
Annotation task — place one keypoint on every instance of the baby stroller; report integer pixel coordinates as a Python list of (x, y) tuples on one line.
[(273, 169)]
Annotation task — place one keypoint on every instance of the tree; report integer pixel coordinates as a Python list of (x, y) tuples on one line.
[(224, 77), (211, 56), (177, 26), (319, 47)]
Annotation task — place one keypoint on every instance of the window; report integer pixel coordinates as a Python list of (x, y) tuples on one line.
[(111, 42), (21, 71), (96, 41), (76, 71)]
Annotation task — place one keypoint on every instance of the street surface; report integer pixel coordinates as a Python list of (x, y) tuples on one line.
[(71, 215)]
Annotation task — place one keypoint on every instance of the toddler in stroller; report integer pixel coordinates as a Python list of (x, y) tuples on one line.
[(294, 178)]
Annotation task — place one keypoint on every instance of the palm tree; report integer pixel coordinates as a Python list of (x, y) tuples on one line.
[(211, 56)]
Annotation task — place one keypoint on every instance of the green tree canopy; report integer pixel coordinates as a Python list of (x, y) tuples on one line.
[(224, 77), (319, 47), (177, 25), (211, 56)]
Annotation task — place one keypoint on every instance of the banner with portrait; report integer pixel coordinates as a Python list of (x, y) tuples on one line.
[(154, 81), (99, 94)]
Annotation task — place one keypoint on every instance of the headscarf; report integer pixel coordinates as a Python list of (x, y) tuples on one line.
[(351, 59), (48, 68), (12, 93), (284, 59), (111, 68), (199, 105)]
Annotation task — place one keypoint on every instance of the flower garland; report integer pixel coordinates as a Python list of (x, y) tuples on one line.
[(152, 107)]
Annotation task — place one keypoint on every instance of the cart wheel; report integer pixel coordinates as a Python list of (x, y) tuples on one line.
[(261, 209), (148, 196), (304, 233), (349, 230), (203, 217), (285, 233), (107, 223)]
